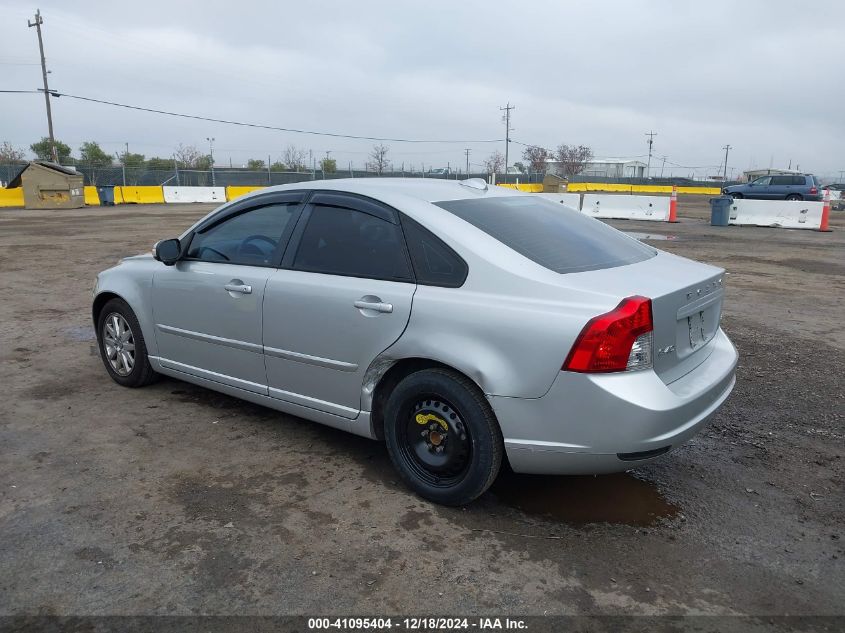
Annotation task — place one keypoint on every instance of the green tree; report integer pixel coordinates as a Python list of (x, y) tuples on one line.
[(204, 163), (92, 155), (256, 164), (328, 165), (42, 150), (132, 160), (156, 162), (278, 166)]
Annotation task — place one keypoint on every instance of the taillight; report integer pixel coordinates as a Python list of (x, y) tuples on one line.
[(813, 191), (620, 340)]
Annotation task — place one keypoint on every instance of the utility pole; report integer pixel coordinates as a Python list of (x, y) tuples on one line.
[(123, 162), (506, 117), (466, 151), (727, 148), (650, 141), (211, 156), (662, 165), (37, 24)]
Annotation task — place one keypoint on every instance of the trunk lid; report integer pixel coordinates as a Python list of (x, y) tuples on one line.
[(686, 298)]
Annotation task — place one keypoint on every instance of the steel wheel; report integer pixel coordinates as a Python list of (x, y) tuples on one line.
[(119, 344), (436, 444)]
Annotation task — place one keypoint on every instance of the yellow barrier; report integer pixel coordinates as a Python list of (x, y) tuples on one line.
[(92, 198), (139, 195), (532, 187), (11, 197), (237, 192), (622, 188)]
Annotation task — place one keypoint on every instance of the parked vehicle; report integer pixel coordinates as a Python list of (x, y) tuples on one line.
[(837, 203), (778, 187), (461, 324)]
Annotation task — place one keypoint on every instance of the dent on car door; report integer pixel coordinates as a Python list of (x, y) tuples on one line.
[(342, 296), (208, 306)]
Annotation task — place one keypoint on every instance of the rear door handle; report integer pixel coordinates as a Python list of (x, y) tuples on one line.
[(377, 306), (239, 288)]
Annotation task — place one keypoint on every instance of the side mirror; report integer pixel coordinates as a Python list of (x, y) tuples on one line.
[(167, 251)]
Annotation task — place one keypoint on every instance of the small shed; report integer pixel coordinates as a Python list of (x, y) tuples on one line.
[(47, 185)]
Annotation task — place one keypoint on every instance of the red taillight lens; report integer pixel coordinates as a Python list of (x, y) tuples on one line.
[(605, 343), (813, 191)]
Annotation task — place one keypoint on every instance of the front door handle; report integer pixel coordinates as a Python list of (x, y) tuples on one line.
[(240, 288), (375, 306)]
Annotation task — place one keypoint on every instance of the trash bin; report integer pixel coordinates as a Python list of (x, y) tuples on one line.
[(720, 210), (106, 194)]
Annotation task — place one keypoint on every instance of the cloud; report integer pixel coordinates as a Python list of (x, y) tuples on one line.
[(762, 76)]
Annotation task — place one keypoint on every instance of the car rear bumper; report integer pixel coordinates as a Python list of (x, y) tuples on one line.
[(596, 423)]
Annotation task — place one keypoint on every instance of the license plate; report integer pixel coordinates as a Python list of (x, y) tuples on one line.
[(697, 331)]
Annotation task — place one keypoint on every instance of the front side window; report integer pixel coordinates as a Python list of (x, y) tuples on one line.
[(341, 241), (557, 238), (249, 238), (765, 180)]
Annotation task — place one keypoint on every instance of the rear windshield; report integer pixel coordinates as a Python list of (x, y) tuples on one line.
[(550, 234)]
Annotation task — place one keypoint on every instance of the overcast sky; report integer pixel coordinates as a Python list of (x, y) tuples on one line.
[(765, 77)]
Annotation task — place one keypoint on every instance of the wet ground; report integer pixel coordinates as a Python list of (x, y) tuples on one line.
[(176, 499)]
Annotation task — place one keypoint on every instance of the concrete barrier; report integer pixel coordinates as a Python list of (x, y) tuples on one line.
[(138, 195), (194, 194), (626, 207), (790, 214), (237, 192), (92, 198), (623, 188), (529, 187), (11, 197), (572, 200)]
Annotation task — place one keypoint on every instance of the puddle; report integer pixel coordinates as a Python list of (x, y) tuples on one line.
[(618, 498), (650, 236), (80, 333)]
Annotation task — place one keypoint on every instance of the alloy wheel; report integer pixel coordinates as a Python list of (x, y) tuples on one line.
[(119, 344)]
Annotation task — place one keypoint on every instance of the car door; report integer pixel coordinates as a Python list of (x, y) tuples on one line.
[(780, 187), (342, 296), (208, 306), (759, 188)]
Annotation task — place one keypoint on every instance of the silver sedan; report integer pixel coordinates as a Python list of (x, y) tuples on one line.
[(461, 324)]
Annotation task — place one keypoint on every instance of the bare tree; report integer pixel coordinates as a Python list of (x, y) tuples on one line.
[(536, 157), (573, 158), (378, 158), (11, 154), (294, 158), (495, 163), (188, 156)]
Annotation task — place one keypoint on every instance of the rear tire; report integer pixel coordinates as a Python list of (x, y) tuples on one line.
[(442, 436), (122, 346), (794, 196)]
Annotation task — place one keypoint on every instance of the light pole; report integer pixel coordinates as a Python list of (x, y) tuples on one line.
[(211, 156)]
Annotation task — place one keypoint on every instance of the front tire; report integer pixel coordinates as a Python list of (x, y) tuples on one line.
[(122, 346), (442, 436)]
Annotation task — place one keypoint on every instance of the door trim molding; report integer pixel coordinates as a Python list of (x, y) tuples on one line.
[(208, 338), (311, 360)]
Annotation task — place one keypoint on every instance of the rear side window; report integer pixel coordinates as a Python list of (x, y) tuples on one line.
[(340, 241), (800, 180), (784, 180), (557, 238), (435, 264)]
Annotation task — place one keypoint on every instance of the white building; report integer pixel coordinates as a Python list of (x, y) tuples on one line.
[(605, 168)]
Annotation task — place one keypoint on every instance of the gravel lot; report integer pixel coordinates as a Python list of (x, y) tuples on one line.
[(174, 499)]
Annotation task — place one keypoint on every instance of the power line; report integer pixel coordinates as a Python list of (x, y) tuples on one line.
[(196, 117)]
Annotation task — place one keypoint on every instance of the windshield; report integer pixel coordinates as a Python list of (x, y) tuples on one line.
[(550, 234)]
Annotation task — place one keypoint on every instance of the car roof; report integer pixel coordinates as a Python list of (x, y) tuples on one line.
[(422, 189)]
